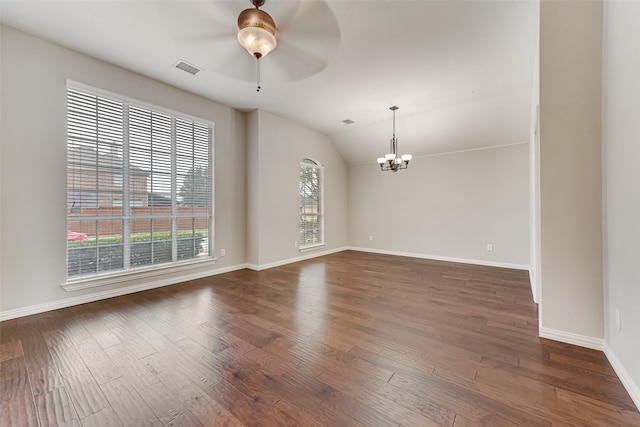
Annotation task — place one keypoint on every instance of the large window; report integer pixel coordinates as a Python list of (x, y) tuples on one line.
[(311, 203), (139, 185)]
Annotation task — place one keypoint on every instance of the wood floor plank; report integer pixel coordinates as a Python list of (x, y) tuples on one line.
[(397, 360), (55, 409), (126, 363), (99, 364), (251, 412), (186, 419), (103, 418), (80, 384), (402, 404), (369, 394), (316, 399), (242, 373), (289, 415), (190, 367), (128, 405), (597, 411), (461, 397), (66, 356), (86, 395), (9, 331), (347, 339), (167, 407), (11, 350), (134, 343), (43, 373), (594, 385), (207, 410), (200, 334), (16, 398), (93, 322)]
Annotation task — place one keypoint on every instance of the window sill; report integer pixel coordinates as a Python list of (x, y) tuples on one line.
[(134, 274), (311, 247)]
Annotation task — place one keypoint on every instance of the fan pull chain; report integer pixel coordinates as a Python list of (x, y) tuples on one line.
[(258, 73)]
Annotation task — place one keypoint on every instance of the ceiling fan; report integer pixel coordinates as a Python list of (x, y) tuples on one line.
[(305, 34)]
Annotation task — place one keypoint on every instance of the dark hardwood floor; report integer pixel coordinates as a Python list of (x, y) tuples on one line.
[(350, 339)]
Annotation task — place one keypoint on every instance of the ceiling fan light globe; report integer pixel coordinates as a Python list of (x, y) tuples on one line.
[(381, 160), (257, 31), (406, 157), (257, 41), (390, 156)]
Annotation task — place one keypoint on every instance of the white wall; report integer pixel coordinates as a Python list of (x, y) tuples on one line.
[(33, 172), (279, 145), (571, 306), (1, 162), (446, 206), (253, 188), (534, 176), (621, 150)]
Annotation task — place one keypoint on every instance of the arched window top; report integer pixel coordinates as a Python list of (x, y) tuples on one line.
[(310, 162)]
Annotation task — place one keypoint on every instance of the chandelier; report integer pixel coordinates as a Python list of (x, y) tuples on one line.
[(391, 161), (256, 33)]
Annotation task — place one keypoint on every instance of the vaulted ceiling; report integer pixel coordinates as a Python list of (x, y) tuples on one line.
[(461, 72)]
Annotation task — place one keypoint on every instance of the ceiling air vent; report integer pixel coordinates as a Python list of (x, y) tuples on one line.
[(185, 66)]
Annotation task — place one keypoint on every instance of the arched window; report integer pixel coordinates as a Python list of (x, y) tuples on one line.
[(311, 203)]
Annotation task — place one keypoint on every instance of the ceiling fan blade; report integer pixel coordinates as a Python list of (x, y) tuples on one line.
[(307, 41), (222, 55), (205, 34), (293, 62), (188, 21), (236, 64), (314, 28)]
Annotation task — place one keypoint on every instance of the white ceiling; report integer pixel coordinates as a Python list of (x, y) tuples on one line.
[(461, 72)]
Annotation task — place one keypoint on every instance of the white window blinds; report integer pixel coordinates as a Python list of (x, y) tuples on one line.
[(311, 203), (139, 186)]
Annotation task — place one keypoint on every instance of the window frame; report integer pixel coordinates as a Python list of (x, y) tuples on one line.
[(308, 162), (100, 278)]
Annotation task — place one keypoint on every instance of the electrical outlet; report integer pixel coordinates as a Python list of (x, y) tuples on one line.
[(489, 247), (223, 252), (371, 237), (618, 320), (295, 244)]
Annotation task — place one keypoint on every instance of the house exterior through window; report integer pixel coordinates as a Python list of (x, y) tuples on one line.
[(311, 223), (139, 185)]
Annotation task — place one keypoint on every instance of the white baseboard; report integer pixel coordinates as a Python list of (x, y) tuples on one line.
[(632, 388), (534, 286), (69, 302), (571, 338), (308, 255), (443, 258)]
